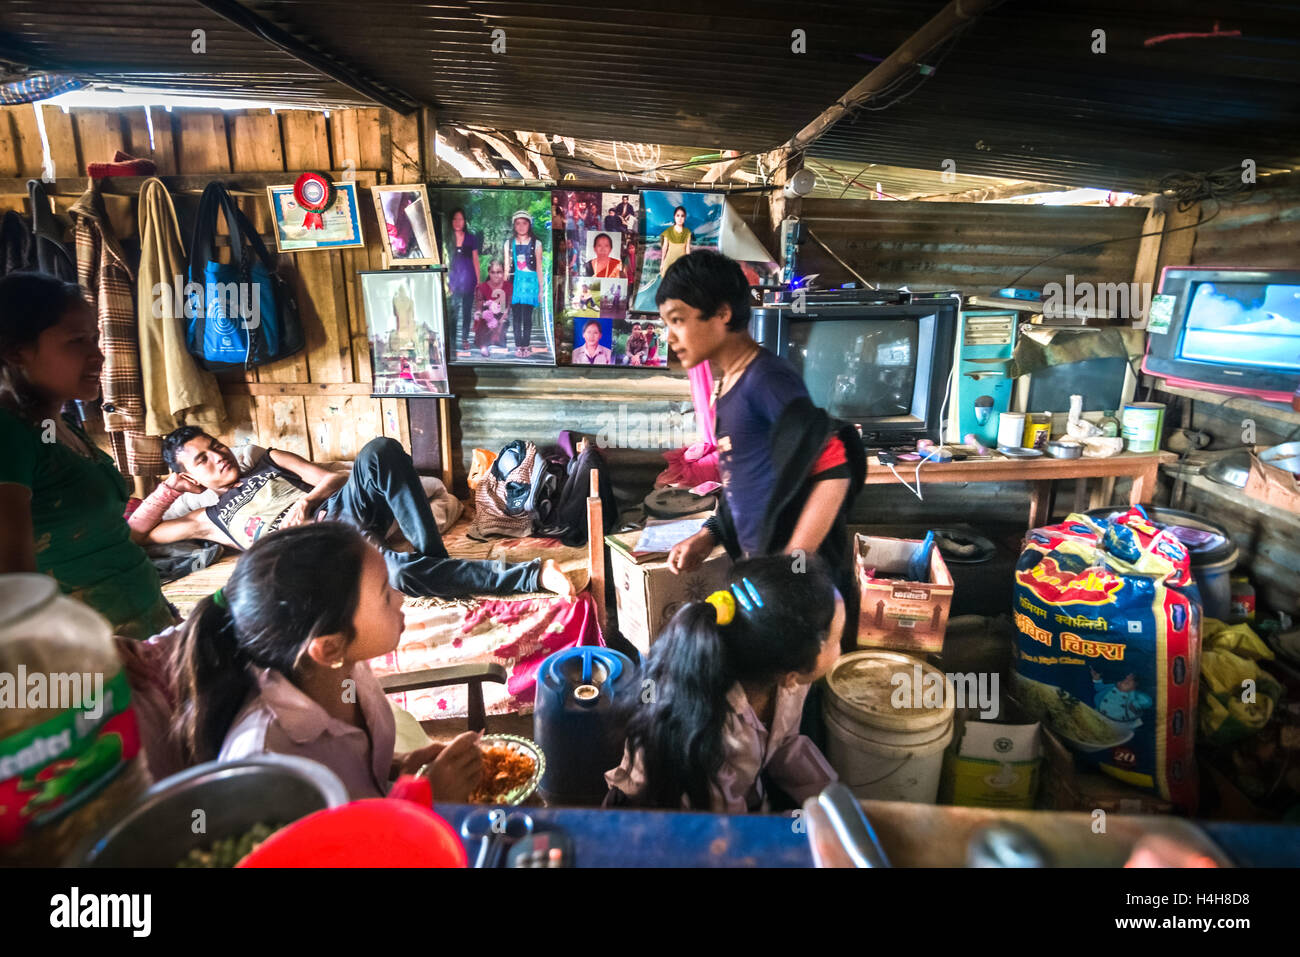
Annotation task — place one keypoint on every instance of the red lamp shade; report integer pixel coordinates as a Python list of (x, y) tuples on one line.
[(370, 833)]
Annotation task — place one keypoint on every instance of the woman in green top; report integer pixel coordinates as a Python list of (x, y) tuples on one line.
[(61, 498), (676, 241)]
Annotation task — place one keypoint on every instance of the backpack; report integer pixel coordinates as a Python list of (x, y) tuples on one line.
[(568, 516), (246, 314)]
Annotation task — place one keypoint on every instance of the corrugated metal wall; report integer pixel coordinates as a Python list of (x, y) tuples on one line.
[(972, 247), (495, 405)]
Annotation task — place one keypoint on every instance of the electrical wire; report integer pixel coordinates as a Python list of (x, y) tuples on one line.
[(916, 474)]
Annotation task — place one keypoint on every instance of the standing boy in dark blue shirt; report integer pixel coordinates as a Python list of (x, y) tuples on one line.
[(789, 473)]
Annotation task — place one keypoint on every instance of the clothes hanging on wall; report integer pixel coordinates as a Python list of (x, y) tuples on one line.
[(16, 251), (108, 281), (52, 254), (176, 391)]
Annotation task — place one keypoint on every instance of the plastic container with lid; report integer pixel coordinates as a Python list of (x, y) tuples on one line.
[(889, 717), (574, 723), (70, 758)]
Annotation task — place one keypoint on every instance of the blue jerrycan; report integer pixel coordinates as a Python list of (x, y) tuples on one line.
[(573, 721)]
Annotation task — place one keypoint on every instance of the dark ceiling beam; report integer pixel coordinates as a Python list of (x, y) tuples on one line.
[(331, 66), (955, 16)]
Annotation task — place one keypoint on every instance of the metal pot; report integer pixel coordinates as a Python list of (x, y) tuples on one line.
[(158, 831)]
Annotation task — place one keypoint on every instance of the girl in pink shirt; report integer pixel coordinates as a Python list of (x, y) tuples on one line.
[(726, 686), (275, 661)]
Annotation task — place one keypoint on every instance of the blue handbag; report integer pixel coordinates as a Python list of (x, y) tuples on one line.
[(241, 313)]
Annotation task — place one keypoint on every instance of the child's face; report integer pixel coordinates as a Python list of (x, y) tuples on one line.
[(679, 218), (591, 334), (830, 652), (65, 362), (378, 621), (521, 226), (691, 336), (496, 273)]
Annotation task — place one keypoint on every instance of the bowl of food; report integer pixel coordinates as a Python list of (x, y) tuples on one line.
[(242, 803), (512, 770)]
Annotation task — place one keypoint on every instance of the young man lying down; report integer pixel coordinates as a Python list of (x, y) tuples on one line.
[(281, 490)]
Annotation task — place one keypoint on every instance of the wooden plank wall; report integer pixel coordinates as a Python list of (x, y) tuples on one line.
[(322, 407)]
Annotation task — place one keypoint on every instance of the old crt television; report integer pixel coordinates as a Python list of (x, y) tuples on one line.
[(879, 359), (1231, 330)]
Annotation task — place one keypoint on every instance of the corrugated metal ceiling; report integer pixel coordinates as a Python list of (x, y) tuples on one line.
[(1020, 95)]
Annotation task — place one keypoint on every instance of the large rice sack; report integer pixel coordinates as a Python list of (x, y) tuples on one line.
[(1108, 647)]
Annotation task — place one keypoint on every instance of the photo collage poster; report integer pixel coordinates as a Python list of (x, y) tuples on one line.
[(497, 248), (598, 233)]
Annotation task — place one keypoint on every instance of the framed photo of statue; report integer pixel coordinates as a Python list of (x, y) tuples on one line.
[(405, 324)]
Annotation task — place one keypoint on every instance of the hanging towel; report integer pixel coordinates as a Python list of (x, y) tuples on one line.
[(109, 285), (176, 391)]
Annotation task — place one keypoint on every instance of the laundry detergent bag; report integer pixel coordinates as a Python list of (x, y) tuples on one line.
[(1108, 648)]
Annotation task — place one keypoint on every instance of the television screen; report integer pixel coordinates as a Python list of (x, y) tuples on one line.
[(860, 370), (1244, 324)]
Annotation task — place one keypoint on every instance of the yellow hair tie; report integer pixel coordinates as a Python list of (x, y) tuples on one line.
[(725, 605)]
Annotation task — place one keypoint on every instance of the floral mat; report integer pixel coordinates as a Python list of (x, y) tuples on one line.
[(518, 632)]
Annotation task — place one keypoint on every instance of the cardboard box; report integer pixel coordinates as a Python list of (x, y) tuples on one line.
[(992, 764), (648, 594), (1272, 485), (904, 615), (1067, 787)]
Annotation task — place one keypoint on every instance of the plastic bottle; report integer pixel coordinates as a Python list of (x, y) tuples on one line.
[(70, 758), (1110, 426), (1242, 607)]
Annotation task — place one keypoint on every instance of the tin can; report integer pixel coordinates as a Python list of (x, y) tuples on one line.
[(1038, 429), (1142, 426)]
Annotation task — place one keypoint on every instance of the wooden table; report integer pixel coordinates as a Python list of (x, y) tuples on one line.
[(1041, 474)]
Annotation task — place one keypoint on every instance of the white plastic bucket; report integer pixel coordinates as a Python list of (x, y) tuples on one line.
[(881, 770), (880, 751)]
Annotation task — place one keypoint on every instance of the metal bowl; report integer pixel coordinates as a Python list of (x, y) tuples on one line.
[(1064, 450), (513, 741), (158, 831)]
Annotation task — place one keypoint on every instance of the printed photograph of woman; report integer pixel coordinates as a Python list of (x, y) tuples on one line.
[(462, 274), (604, 262), (491, 311), (523, 251), (594, 350), (675, 241)]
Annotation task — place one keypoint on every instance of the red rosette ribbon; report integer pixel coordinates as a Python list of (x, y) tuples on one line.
[(314, 193)]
